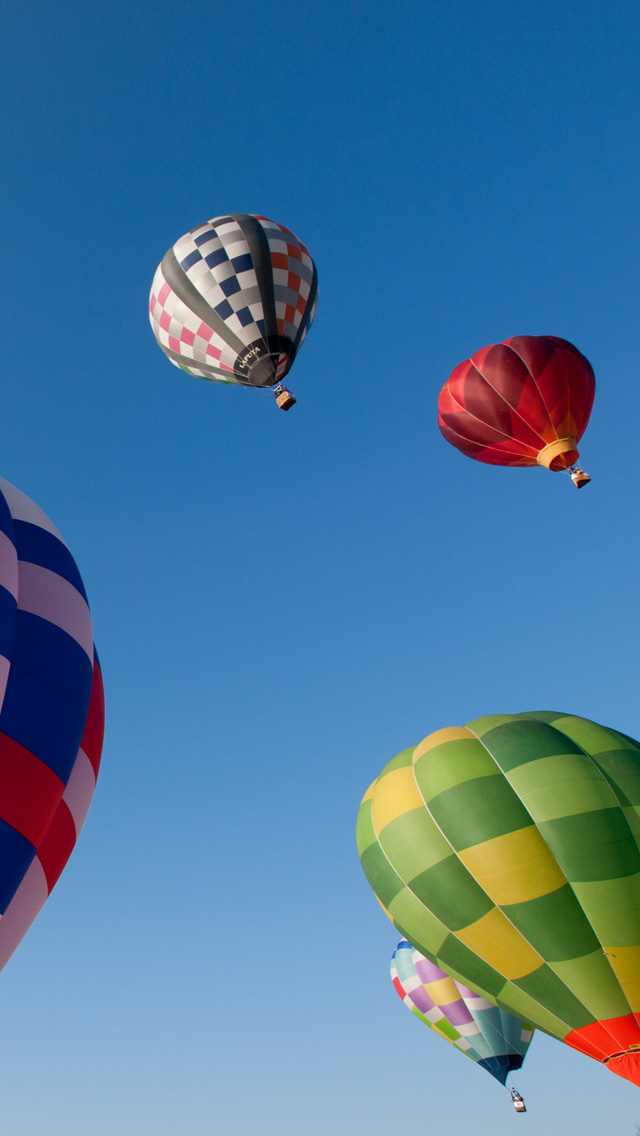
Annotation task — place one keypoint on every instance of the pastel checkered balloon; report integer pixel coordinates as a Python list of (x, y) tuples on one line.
[(51, 711), (233, 300), (490, 1036), (508, 852)]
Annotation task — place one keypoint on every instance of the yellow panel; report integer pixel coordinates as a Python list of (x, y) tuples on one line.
[(370, 791), (494, 939), (394, 795), (442, 992), (515, 867), (439, 737), (625, 962)]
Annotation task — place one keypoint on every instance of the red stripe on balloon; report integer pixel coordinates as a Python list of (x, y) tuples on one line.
[(30, 791), (57, 845)]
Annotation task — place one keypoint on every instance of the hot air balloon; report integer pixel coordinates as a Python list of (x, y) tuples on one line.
[(522, 402), (507, 851), (51, 711), (493, 1038), (233, 300)]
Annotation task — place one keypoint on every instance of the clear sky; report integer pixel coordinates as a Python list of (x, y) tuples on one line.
[(283, 602)]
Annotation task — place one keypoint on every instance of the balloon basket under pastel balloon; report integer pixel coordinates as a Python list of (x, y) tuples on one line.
[(518, 1102), (284, 397)]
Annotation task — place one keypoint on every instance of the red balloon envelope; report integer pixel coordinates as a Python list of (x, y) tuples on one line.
[(526, 401), (51, 711)]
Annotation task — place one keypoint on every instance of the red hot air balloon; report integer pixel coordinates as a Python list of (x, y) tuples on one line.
[(522, 402)]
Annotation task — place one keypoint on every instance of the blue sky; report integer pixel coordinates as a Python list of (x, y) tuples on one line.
[(283, 602)]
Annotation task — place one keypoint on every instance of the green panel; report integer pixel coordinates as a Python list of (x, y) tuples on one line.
[(633, 742), (524, 1006), (613, 909), (400, 761), (632, 815), (451, 893), (561, 785), (593, 846), (424, 930), (480, 726), (592, 737), (554, 924), (461, 962), (448, 1030), (477, 811), (517, 742), (452, 763), (545, 987), (550, 716), (427, 954), (593, 982), (413, 843), (621, 767), (365, 832), (384, 881)]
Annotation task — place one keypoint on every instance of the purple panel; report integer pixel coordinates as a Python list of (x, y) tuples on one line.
[(421, 999), (457, 1013), (427, 971)]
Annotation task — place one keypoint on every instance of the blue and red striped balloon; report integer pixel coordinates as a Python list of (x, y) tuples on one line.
[(51, 711)]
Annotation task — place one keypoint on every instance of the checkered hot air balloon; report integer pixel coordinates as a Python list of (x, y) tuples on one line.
[(508, 852), (522, 402), (233, 300), (51, 711), (490, 1036)]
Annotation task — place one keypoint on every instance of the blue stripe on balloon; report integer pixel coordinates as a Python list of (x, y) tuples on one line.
[(8, 607), (6, 520), (48, 690), (230, 286), (38, 719), (37, 546), (224, 309), (242, 263), (217, 257), (190, 260), (208, 235), (16, 854), (244, 316), (52, 657)]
